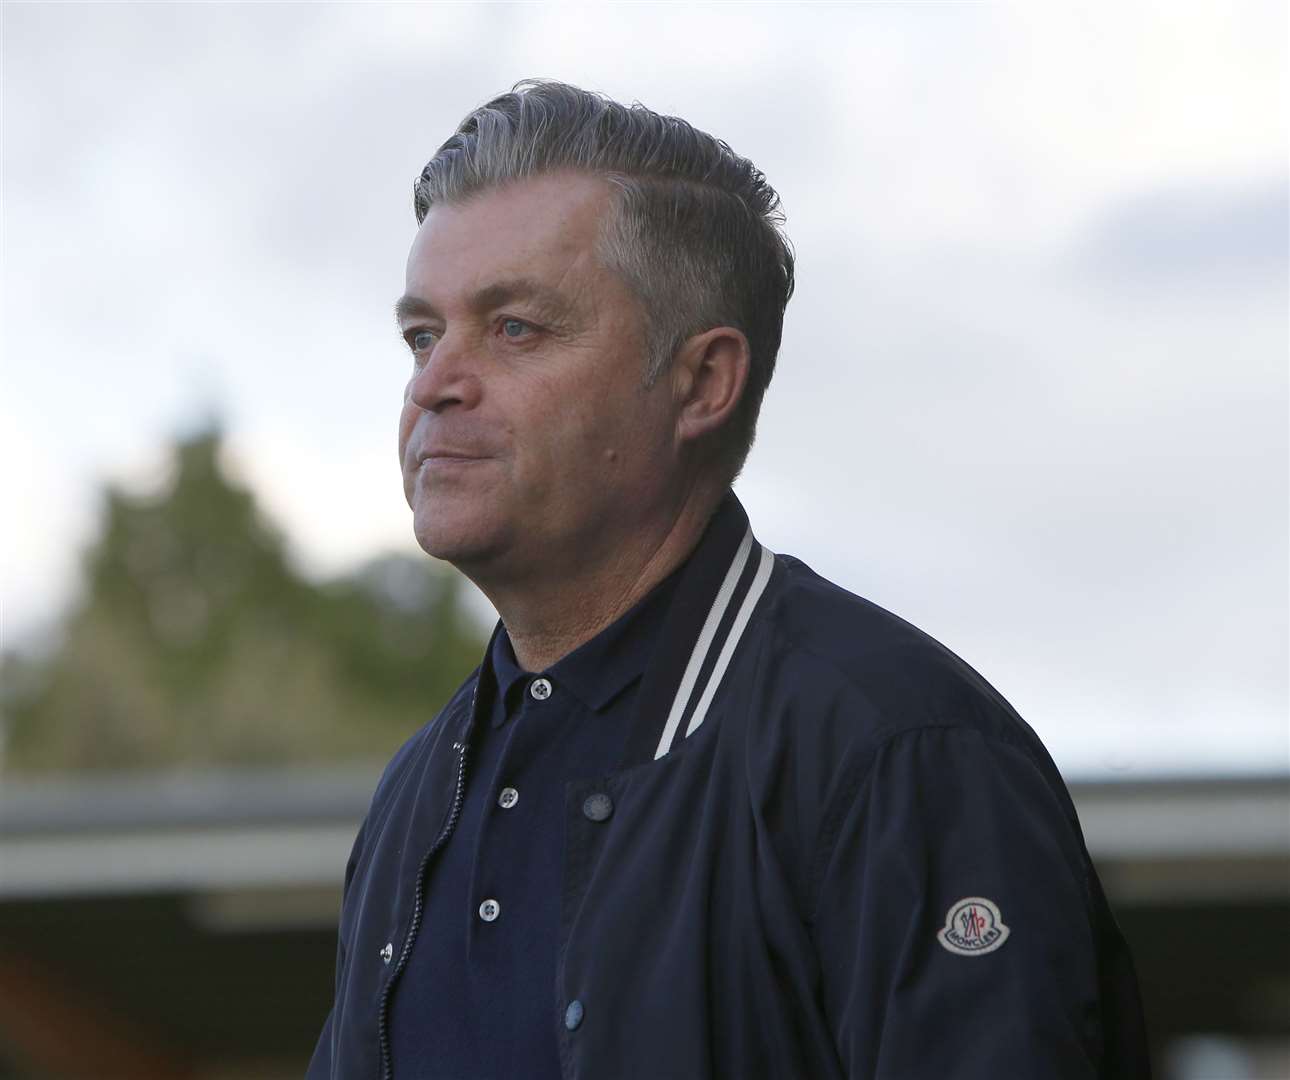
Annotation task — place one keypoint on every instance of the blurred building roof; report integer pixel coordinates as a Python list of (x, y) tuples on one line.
[(1169, 839)]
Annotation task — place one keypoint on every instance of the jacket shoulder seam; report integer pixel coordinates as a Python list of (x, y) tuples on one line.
[(860, 774)]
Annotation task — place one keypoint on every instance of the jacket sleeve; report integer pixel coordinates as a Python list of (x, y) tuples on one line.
[(952, 917), (320, 1066)]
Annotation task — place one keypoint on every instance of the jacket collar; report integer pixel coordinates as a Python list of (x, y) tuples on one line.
[(712, 597), (718, 589)]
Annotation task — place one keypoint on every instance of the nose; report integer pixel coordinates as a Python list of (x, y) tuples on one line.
[(446, 379)]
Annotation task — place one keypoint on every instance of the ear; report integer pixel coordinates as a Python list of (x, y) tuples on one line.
[(708, 374)]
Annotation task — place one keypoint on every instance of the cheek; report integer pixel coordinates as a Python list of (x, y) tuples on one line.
[(564, 451), (407, 421), (596, 429), (609, 444)]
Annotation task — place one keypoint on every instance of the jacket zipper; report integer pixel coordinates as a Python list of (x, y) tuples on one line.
[(387, 1066)]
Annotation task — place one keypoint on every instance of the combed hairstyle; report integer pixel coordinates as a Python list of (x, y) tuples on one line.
[(695, 230)]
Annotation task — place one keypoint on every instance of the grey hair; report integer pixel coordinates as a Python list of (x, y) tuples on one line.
[(696, 232)]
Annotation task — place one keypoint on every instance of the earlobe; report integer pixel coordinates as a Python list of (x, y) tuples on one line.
[(713, 371)]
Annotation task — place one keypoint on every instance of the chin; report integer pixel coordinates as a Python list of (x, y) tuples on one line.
[(462, 540)]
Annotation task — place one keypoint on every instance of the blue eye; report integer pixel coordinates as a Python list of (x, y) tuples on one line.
[(422, 339), (513, 328)]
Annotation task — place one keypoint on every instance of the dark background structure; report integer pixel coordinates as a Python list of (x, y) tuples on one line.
[(184, 926)]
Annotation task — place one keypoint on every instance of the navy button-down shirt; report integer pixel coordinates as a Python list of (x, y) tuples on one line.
[(477, 999)]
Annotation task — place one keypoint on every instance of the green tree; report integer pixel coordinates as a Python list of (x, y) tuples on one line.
[(195, 642)]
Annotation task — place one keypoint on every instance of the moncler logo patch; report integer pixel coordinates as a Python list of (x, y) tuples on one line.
[(973, 927)]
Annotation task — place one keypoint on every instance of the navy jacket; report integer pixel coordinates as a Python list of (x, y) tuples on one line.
[(831, 851)]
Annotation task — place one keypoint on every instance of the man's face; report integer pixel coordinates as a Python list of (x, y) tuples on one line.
[(527, 440)]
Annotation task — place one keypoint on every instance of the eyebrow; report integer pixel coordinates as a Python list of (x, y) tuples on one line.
[(551, 301)]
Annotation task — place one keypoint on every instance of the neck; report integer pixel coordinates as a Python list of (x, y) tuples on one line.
[(547, 618)]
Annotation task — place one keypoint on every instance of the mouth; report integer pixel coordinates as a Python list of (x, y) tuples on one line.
[(448, 459)]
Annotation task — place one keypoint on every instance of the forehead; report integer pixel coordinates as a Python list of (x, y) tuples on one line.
[(546, 227)]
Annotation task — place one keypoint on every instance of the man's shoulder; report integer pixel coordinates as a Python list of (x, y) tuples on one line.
[(819, 616), (828, 653), (840, 683)]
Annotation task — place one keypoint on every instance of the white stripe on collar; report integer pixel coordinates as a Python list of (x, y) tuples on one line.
[(755, 590), (703, 645)]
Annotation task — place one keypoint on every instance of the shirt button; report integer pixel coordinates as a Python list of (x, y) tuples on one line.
[(387, 953), (598, 807), (508, 798), (489, 910), (540, 689), (573, 1015)]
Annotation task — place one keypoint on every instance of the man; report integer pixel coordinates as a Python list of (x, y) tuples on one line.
[(699, 813)]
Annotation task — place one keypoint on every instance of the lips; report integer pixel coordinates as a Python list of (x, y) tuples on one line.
[(430, 444), (448, 454)]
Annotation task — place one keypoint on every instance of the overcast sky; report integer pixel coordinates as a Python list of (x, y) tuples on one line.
[(1032, 394)]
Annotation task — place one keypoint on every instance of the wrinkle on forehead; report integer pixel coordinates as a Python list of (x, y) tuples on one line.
[(475, 245)]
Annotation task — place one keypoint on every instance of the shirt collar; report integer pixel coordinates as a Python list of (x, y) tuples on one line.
[(598, 670), (507, 673)]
